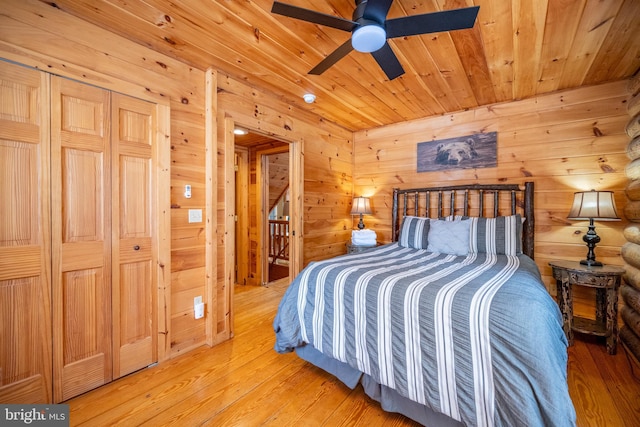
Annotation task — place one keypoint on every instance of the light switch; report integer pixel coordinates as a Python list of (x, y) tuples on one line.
[(195, 215)]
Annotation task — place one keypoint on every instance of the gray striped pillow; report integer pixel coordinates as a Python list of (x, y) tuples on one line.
[(500, 235), (414, 232)]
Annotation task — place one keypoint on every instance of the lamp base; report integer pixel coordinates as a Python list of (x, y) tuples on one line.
[(591, 263), (591, 239)]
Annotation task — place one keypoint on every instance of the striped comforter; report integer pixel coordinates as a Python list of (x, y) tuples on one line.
[(477, 338)]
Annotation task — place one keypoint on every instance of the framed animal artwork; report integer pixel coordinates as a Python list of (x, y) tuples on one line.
[(466, 152)]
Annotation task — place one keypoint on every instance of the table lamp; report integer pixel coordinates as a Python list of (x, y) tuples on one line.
[(593, 205), (361, 206)]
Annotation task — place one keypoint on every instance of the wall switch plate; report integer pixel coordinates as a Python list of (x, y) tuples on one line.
[(187, 191), (195, 215)]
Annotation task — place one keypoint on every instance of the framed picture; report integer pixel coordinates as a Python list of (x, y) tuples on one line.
[(465, 152)]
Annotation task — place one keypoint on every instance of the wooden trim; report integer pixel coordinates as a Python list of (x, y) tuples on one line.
[(226, 318), (262, 197), (163, 228), (296, 204), (242, 212), (211, 195)]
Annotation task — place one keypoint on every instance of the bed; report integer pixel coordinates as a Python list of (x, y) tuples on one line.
[(450, 323)]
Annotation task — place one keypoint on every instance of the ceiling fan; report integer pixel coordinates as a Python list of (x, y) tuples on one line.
[(370, 29)]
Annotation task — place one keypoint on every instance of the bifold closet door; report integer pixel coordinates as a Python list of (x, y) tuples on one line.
[(25, 316), (81, 237), (104, 281), (135, 329)]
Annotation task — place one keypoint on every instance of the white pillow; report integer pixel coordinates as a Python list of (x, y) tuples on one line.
[(449, 237)]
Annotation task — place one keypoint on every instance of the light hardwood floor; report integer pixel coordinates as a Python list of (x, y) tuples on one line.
[(244, 382)]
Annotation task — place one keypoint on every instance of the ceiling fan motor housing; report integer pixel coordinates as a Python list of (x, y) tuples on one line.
[(369, 34), (358, 12)]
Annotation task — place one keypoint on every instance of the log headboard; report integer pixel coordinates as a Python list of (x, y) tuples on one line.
[(482, 200)]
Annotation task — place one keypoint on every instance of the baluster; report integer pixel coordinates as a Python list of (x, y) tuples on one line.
[(466, 203), (427, 203), (452, 209)]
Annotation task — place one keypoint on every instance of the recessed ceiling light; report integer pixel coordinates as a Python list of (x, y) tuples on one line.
[(240, 131), (309, 98)]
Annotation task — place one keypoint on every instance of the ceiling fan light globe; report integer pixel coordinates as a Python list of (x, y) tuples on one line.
[(368, 38)]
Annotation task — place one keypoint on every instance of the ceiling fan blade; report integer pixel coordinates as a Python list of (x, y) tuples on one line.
[(446, 20), (334, 57), (376, 10), (388, 61), (312, 16)]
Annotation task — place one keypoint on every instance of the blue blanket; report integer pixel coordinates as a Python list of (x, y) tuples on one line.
[(477, 338)]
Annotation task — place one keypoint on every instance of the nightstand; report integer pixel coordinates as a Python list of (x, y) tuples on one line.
[(606, 280), (354, 249)]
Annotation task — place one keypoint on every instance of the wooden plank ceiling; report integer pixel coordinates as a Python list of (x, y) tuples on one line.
[(517, 49)]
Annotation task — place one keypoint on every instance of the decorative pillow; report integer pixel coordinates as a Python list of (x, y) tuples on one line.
[(449, 237), (500, 235), (414, 232)]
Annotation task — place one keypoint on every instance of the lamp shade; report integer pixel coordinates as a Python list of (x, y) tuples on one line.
[(361, 206), (593, 204)]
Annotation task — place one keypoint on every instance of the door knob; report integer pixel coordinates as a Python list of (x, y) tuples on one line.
[(136, 248)]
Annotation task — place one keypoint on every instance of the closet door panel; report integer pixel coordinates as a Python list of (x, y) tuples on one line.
[(83, 329), (25, 316), (81, 263), (134, 243), (136, 343)]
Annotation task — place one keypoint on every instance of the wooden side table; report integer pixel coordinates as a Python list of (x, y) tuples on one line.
[(606, 279), (354, 249)]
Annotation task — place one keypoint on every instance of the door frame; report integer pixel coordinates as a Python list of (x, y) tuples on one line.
[(296, 185), (241, 164), (262, 199)]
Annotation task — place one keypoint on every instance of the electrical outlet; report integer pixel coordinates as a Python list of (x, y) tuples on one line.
[(198, 307)]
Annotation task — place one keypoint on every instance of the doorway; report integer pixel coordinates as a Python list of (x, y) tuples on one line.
[(265, 174), (275, 183)]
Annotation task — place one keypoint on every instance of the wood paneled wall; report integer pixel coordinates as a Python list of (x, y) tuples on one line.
[(565, 142)]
